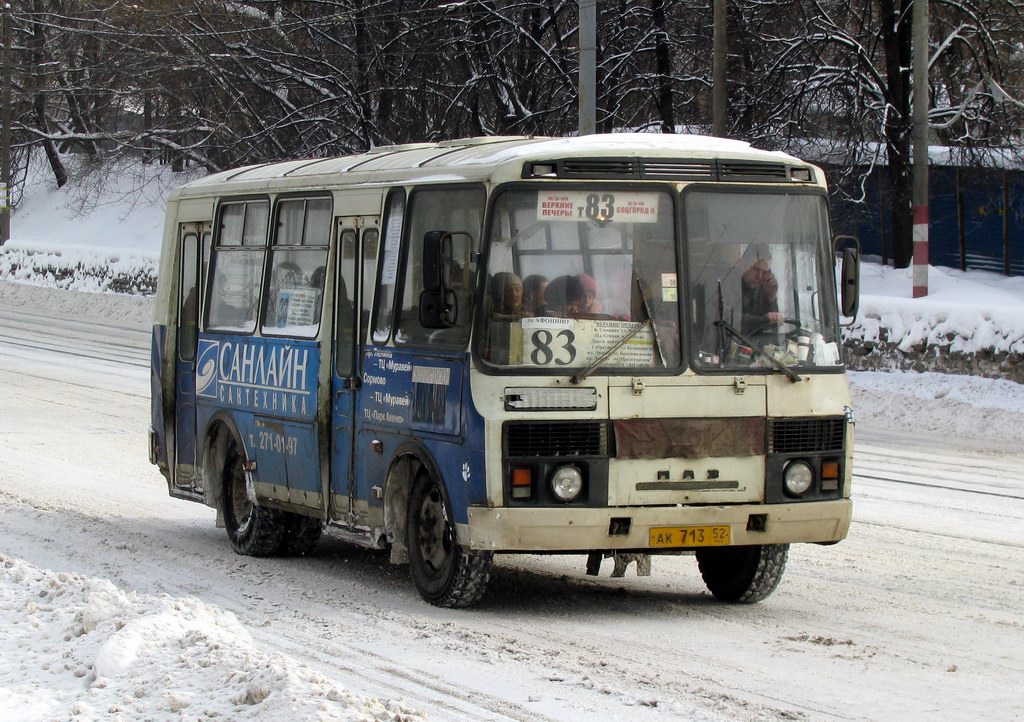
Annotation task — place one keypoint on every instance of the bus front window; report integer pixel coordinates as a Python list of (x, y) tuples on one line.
[(761, 280), (580, 279)]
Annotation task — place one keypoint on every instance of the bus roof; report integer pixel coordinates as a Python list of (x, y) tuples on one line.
[(616, 156)]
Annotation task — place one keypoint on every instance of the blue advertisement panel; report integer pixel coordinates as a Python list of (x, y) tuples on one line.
[(269, 386), (413, 396), (409, 389), (264, 375)]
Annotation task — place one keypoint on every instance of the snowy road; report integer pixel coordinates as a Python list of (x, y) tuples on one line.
[(920, 612)]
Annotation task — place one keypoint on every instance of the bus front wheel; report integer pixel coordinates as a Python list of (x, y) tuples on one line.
[(446, 575), (744, 574), (254, 530)]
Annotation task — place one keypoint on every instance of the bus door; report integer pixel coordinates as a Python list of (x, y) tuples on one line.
[(354, 276), (193, 242)]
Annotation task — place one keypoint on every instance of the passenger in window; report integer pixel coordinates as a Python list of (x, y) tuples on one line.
[(316, 279), (591, 305), (533, 293), (565, 297), (506, 296)]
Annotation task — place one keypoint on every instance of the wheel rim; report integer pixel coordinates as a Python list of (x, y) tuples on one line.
[(434, 534), (241, 506)]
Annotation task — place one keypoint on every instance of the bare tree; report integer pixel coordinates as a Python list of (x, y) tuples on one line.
[(221, 83)]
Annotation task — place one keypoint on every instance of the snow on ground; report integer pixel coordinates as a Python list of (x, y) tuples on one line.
[(79, 646), (82, 647)]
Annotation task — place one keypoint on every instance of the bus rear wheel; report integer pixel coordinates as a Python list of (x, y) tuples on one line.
[(743, 574), (254, 530), (446, 575)]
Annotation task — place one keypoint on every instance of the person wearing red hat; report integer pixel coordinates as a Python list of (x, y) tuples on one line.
[(591, 304)]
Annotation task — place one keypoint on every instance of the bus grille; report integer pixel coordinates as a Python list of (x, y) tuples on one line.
[(805, 436), (751, 170), (563, 438), (671, 169), (598, 168), (668, 169)]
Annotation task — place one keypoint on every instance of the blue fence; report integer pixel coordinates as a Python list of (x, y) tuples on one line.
[(969, 227)]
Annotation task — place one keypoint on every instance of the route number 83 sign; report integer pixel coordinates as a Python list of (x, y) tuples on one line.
[(605, 207), (555, 342)]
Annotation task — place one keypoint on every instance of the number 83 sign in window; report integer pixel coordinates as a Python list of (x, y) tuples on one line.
[(556, 342)]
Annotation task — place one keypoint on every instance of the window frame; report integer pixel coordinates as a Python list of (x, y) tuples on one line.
[(473, 286), (216, 248), (346, 354), (380, 336), (691, 342), (188, 345), (671, 191), (273, 246)]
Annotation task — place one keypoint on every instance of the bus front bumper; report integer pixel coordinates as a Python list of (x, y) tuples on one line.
[(569, 529)]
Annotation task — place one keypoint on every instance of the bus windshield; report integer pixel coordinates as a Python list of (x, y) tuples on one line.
[(582, 279), (761, 280)]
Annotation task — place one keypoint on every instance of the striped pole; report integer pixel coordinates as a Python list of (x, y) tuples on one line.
[(920, 137), (920, 236)]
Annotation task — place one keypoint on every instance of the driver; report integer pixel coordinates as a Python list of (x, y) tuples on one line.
[(761, 315)]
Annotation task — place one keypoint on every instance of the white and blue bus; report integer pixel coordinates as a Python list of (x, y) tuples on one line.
[(608, 345)]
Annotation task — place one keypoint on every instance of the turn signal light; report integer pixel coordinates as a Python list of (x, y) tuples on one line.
[(830, 475), (522, 483)]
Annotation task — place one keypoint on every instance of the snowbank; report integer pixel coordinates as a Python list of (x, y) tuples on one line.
[(970, 323), (75, 646)]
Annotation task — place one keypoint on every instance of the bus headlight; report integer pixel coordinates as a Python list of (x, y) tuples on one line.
[(798, 477), (567, 482)]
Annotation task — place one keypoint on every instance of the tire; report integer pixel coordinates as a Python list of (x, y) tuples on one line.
[(446, 575), (743, 574), (300, 535), (254, 530)]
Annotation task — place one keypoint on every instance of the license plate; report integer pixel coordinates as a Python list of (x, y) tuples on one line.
[(689, 536)]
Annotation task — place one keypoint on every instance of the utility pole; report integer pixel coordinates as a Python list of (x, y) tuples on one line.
[(588, 67), (5, 132), (920, 140), (718, 75)]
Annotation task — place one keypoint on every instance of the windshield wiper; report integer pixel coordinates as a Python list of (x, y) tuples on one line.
[(622, 341), (778, 365)]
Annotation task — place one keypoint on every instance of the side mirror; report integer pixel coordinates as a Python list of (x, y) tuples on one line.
[(438, 303), (849, 275), (437, 260)]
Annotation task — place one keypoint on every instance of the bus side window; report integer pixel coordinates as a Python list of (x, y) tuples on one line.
[(238, 261), (344, 317), (458, 211), (371, 244), (188, 314), (298, 262), (384, 309)]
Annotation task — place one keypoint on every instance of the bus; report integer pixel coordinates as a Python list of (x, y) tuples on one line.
[(613, 345)]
